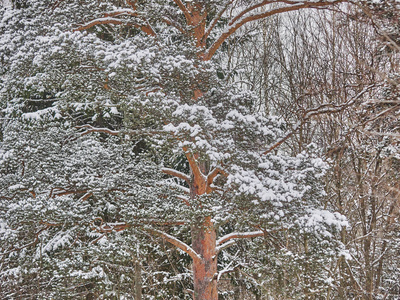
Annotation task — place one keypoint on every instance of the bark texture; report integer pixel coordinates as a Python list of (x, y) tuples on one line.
[(205, 269)]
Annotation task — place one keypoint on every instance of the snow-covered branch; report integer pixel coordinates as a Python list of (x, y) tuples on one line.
[(225, 271), (239, 235), (215, 21), (176, 173), (183, 8), (177, 243), (34, 242), (170, 22), (110, 19), (185, 11), (90, 129), (214, 173), (180, 187), (199, 177), (101, 21), (225, 245)]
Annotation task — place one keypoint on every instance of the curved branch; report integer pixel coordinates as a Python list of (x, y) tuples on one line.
[(239, 235), (245, 11), (177, 243), (211, 176), (100, 21), (176, 173), (214, 173)]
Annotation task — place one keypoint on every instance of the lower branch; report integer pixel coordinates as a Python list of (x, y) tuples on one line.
[(90, 129), (177, 243)]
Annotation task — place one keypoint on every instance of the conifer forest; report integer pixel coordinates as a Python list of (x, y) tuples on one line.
[(200, 149)]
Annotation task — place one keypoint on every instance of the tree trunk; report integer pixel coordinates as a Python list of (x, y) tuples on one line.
[(205, 269), (138, 281)]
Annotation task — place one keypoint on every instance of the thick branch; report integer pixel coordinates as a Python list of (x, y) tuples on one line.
[(177, 243), (215, 21), (176, 173), (198, 175), (240, 21), (214, 173), (239, 235), (185, 11), (100, 21)]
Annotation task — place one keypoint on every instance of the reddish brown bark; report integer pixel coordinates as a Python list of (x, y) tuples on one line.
[(205, 269)]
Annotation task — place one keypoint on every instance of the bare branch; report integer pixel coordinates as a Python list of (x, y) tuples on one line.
[(238, 22), (245, 11), (327, 108), (100, 21)]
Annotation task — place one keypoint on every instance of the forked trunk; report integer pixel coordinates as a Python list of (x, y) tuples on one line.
[(205, 269)]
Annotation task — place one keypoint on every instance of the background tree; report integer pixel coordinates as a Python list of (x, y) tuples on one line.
[(343, 64)]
